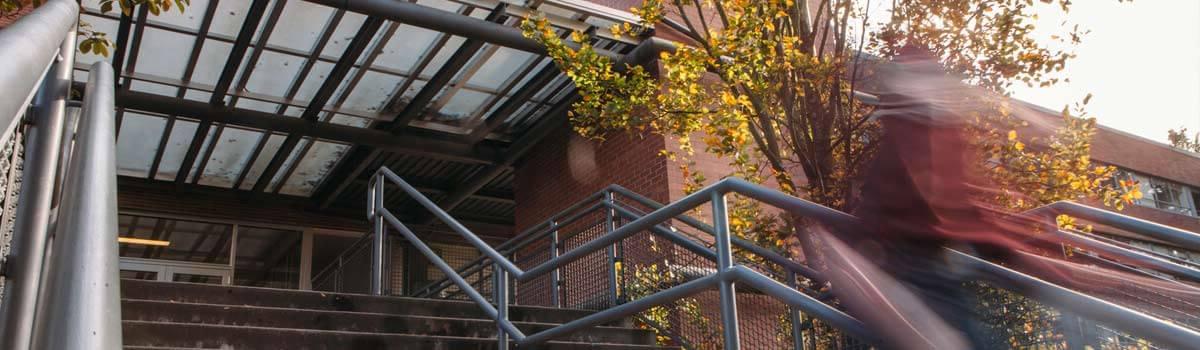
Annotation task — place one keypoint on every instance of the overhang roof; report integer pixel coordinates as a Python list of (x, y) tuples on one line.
[(303, 99)]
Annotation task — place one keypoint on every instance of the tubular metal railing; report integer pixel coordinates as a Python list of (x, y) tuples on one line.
[(61, 278), (728, 272)]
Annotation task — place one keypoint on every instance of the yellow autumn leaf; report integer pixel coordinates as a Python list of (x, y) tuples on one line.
[(1012, 135)]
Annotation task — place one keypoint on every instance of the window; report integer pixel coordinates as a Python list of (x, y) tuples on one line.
[(1163, 194)]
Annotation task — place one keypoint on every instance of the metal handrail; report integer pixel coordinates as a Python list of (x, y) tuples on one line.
[(1184, 239), (43, 165), (27, 48), (562, 219), (728, 273), (82, 300)]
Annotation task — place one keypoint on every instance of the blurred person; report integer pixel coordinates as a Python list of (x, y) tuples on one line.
[(918, 197)]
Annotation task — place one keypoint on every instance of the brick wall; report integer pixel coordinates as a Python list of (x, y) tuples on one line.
[(565, 168)]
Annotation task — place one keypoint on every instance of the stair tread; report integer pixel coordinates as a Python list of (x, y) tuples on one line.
[(362, 313), (328, 294), (299, 335)]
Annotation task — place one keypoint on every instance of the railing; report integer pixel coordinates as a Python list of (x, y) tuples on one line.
[(41, 42), (73, 300), (727, 273)]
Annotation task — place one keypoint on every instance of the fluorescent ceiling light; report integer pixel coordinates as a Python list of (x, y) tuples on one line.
[(131, 240)]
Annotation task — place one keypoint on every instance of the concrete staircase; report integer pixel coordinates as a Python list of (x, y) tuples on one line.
[(164, 315)]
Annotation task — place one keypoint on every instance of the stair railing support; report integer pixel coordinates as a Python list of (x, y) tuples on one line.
[(31, 223), (82, 308), (794, 315), (500, 297), (379, 241), (557, 274), (609, 227), (726, 290)]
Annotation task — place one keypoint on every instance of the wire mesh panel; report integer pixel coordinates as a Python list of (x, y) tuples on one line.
[(12, 160), (586, 283), (540, 290)]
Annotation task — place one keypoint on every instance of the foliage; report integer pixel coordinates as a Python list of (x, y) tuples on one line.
[(1180, 139), (1056, 168), (93, 41), (767, 85)]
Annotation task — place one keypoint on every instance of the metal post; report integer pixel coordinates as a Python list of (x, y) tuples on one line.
[(83, 309), (32, 221), (609, 227), (794, 314), (728, 293), (500, 297), (556, 275), (378, 241)]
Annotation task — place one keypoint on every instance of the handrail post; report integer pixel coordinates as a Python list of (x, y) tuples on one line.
[(609, 227), (726, 290), (557, 274), (82, 305), (500, 297), (378, 242), (31, 223), (794, 315)]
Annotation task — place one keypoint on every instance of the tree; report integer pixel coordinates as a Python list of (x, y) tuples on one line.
[(92, 40), (770, 85), (1180, 139)]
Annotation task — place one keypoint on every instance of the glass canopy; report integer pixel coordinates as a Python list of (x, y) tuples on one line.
[(330, 67)]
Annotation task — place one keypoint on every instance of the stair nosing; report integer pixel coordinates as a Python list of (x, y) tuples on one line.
[(305, 330)]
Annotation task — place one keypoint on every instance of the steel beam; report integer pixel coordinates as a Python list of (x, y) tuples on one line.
[(405, 143), (247, 72), (197, 46), (441, 21), (514, 103), (353, 51), (373, 54), (293, 89), (253, 16), (444, 74), (361, 157)]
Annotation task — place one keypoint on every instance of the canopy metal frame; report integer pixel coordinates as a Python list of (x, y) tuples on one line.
[(516, 113)]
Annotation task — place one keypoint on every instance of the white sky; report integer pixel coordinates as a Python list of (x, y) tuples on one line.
[(1141, 63)]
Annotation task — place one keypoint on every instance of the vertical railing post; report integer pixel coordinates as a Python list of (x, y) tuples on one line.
[(609, 227), (727, 292), (31, 224), (554, 276), (377, 242), (82, 306), (794, 315), (500, 297)]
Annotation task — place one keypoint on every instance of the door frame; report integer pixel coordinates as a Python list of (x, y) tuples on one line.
[(165, 270)]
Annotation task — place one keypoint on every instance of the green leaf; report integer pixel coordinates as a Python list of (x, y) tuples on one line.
[(106, 6)]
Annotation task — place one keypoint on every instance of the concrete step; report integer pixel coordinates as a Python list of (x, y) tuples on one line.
[(370, 322), (159, 335), (310, 300)]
